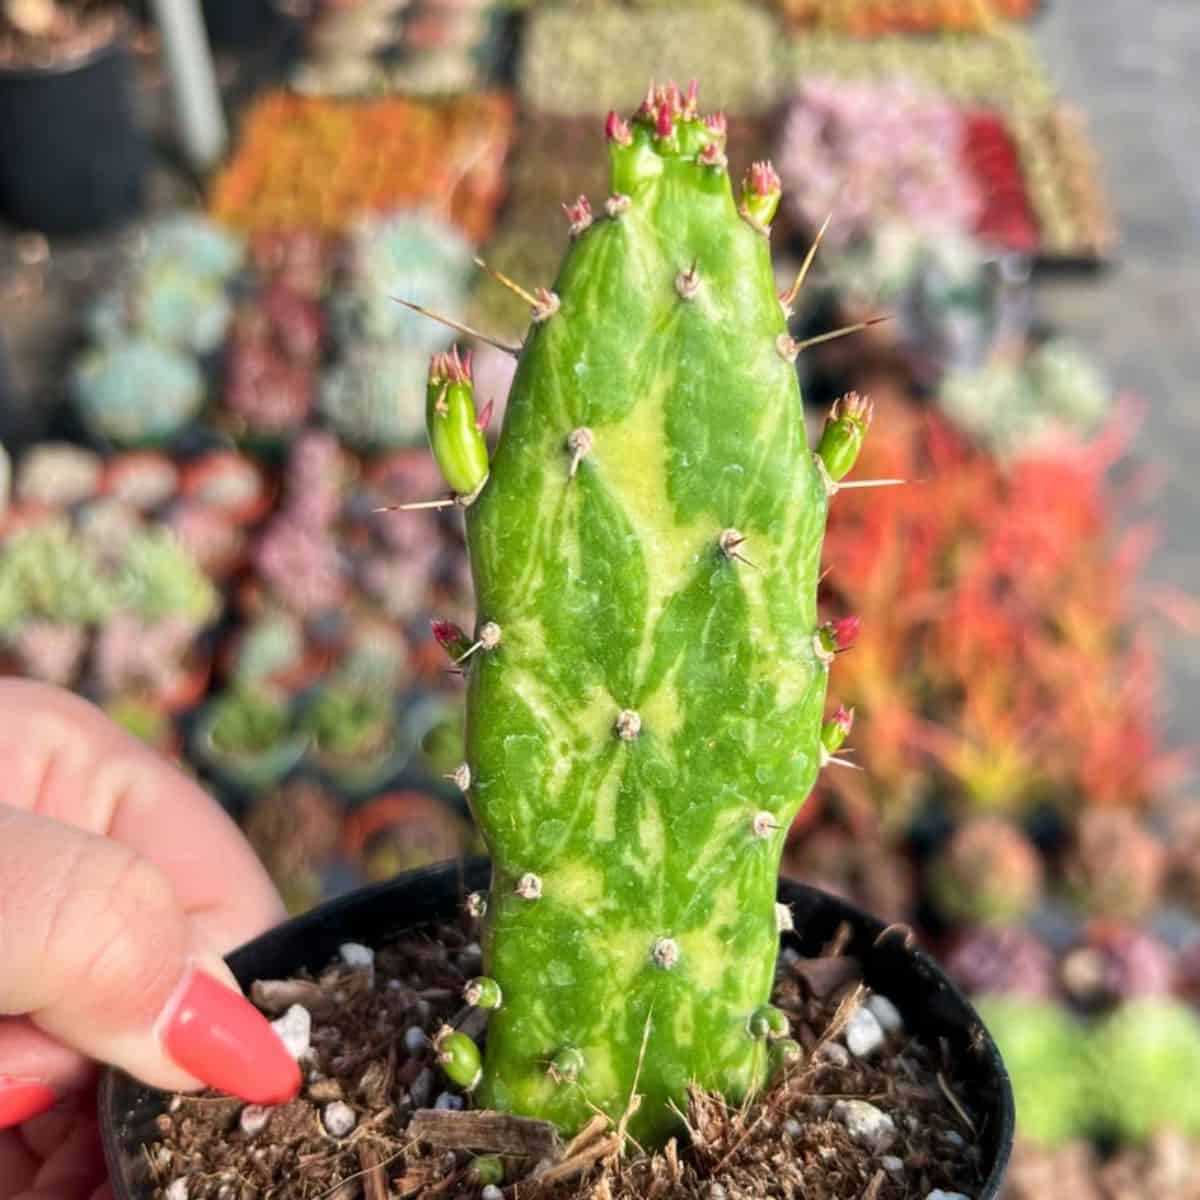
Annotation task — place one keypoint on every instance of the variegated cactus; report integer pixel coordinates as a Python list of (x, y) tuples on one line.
[(647, 677)]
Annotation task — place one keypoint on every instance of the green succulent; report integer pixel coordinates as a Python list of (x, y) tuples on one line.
[(1046, 1052), (248, 722), (160, 580), (349, 722), (47, 572)]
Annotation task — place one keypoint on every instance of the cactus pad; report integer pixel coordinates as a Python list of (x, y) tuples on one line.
[(646, 683)]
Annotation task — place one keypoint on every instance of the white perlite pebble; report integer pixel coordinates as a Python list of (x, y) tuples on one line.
[(177, 1189), (892, 1164), (886, 1013), (295, 1030), (864, 1035), (491, 1192), (865, 1124), (338, 1118), (355, 955), (938, 1194), (449, 1102), (254, 1119), (415, 1039), (834, 1054)]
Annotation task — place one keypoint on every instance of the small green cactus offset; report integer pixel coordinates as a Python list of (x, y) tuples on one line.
[(647, 677)]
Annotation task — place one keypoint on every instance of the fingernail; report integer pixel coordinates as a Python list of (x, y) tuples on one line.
[(219, 1037), (22, 1099)]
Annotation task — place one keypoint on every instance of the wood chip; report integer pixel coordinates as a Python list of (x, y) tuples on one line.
[(492, 1132), (374, 1180), (823, 976), (278, 995)]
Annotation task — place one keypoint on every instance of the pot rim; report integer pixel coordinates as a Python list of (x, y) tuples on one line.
[(427, 891)]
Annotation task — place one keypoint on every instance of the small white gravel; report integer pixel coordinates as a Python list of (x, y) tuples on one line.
[(449, 1101), (864, 1035), (491, 1192), (177, 1189), (892, 1164), (835, 1054), (938, 1194), (953, 1138), (886, 1013), (866, 1124), (253, 1119), (338, 1118), (295, 1030), (415, 1039), (354, 954)]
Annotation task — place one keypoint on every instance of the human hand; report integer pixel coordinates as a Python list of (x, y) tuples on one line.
[(121, 885)]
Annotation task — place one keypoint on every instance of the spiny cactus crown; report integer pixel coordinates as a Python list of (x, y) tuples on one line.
[(647, 678)]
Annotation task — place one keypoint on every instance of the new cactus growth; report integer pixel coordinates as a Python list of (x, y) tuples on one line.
[(646, 681)]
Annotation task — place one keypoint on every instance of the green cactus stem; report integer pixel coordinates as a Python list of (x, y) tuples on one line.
[(647, 679)]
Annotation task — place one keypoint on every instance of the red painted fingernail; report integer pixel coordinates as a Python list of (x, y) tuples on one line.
[(224, 1041), (22, 1099)]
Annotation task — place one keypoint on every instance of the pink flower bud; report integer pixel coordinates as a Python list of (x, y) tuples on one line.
[(617, 130)]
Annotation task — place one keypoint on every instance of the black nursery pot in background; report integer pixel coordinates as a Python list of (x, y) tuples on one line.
[(73, 158), (241, 24), (932, 1007)]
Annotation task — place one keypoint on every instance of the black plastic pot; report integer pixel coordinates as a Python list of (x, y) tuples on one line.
[(931, 1005), (240, 24), (73, 158)]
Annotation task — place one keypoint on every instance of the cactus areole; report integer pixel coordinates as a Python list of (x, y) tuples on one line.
[(645, 544)]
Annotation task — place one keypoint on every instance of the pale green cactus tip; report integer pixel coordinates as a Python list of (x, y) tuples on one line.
[(647, 678)]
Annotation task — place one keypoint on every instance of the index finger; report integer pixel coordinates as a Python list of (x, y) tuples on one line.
[(62, 758)]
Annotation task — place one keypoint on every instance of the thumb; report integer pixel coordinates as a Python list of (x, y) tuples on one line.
[(99, 954)]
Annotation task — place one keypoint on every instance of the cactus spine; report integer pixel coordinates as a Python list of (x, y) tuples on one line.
[(645, 683)]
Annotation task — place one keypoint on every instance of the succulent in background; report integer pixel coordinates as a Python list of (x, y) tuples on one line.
[(1002, 960), (1022, 676), (374, 397), (160, 581), (248, 722), (1116, 867), (1183, 848), (195, 243), (1043, 1048), (989, 873), (164, 303), (868, 152), (314, 481), (377, 659), (57, 475), (270, 646), (416, 257), (173, 292), (1056, 394), (133, 657), (47, 573), (301, 566), (347, 721), (50, 651), (132, 390), (108, 526), (1115, 963), (269, 393), (575, 62), (1145, 1064)]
